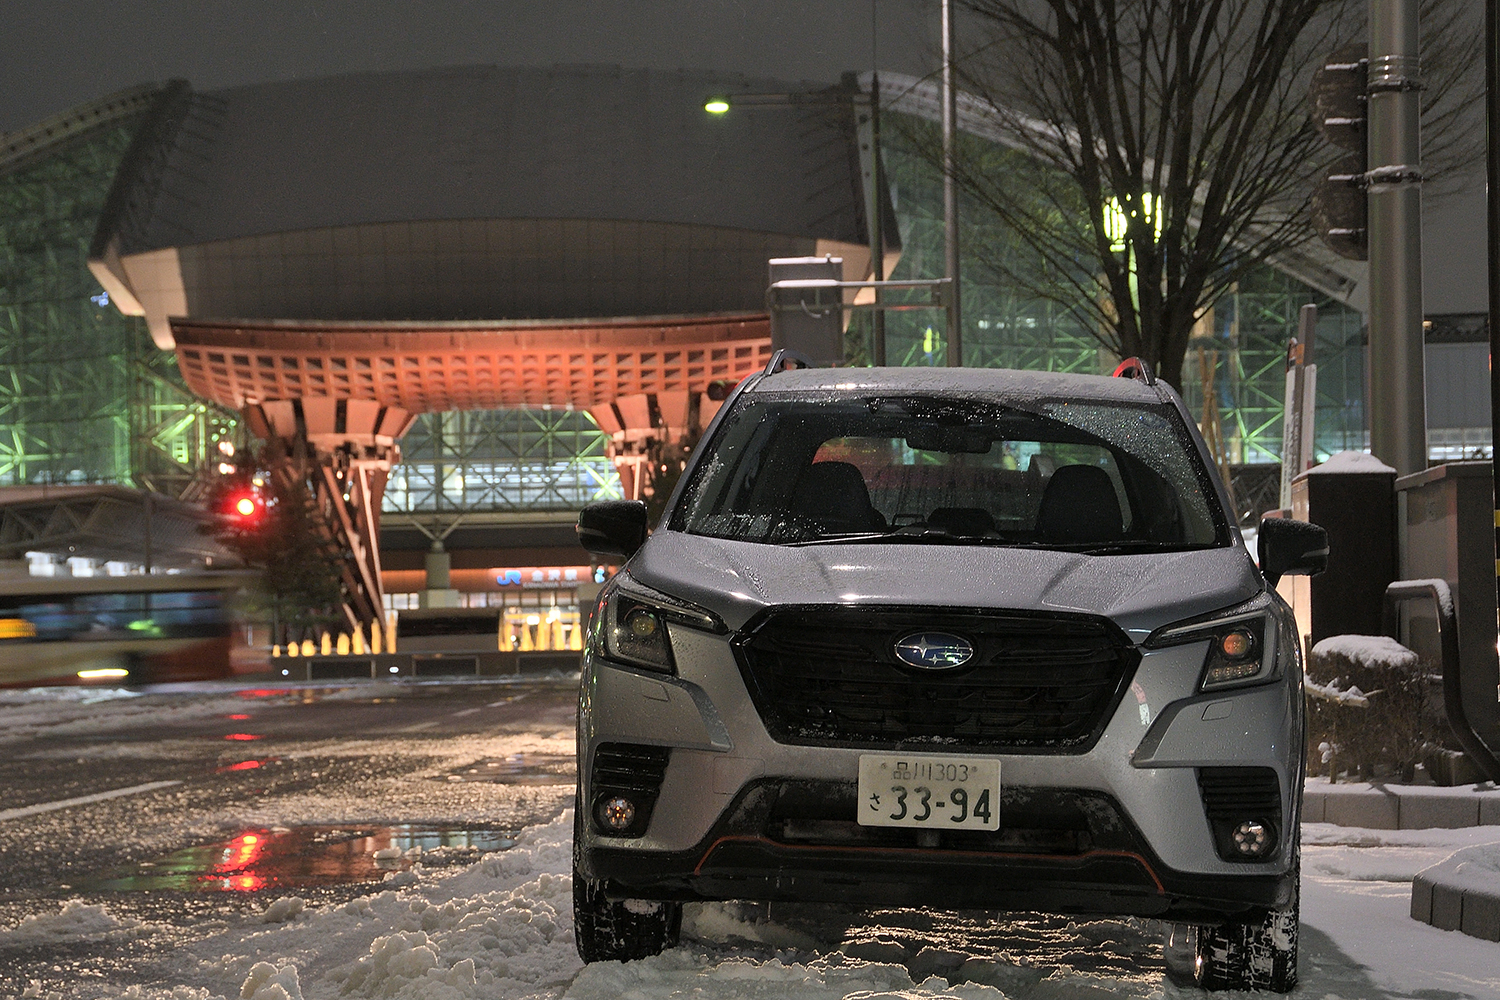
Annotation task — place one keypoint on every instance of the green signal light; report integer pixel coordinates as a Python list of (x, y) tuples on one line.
[(716, 105)]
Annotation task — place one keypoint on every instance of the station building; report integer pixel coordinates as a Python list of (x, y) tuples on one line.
[(478, 298)]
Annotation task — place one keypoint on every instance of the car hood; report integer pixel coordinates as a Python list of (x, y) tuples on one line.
[(1139, 592)]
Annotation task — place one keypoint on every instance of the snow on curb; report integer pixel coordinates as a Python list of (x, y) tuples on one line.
[(1461, 893)]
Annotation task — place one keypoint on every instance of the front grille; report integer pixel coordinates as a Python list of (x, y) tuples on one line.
[(634, 771), (1232, 795), (1041, 683)]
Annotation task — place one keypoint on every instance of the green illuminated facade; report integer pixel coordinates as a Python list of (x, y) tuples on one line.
[(502, 460), (85, 397), (1246, 347)]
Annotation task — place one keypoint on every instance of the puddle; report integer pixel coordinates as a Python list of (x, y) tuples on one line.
[(302, 856), (247, 765), (521, 769)]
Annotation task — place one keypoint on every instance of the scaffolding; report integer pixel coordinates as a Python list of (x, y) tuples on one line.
[(85, 397), (501, 460)]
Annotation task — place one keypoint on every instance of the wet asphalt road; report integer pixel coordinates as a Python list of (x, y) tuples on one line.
[(399, 752)]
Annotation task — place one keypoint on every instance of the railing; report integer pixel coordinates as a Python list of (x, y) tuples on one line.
[(1441, 596)]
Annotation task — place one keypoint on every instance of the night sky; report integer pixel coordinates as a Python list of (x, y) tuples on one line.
[(55, 54), (58, 53)]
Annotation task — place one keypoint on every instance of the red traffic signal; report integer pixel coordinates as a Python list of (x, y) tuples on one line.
[(245, 508)]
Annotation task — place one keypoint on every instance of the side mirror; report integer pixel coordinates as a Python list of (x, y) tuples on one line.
[(1288, 546), (612, 527)]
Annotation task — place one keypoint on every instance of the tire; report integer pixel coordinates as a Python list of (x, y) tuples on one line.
[(1241, 955), (621, 930)]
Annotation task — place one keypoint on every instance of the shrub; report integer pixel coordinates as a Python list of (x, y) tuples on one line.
[(1368, 700)]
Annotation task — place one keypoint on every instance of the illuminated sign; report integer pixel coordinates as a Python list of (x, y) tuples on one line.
[(544, 577)]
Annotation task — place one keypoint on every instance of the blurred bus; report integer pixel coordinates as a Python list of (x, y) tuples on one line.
[(124, 629)]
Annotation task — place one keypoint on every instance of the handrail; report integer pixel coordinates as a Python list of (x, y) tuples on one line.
[(1453, 702)]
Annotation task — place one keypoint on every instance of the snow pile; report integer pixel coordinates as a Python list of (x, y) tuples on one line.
[(1473, 869), (501, 927), (1352, 461), (1367, 651), (76, 921), (82, 695), (284, 909), (268, 982), (704, 975)]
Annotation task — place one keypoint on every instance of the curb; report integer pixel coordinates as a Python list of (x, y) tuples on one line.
[(1461, 893), (1378, 806)]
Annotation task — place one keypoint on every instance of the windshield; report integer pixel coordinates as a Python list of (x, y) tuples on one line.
[(1096, 476)]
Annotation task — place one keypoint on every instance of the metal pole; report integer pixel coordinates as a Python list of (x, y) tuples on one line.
[(1398, 403), (1492, 175), (877, 225), (150, 511), (950, 195)]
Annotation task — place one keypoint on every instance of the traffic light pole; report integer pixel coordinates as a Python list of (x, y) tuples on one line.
[(950, 194), (1398, 402), (1492, 174)]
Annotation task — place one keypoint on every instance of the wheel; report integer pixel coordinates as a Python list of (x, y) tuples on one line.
[(1240, 955), (619, 930)]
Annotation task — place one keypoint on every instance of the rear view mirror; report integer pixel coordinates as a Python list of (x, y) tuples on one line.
[(1291, 547), (948, 438), (612, 527)]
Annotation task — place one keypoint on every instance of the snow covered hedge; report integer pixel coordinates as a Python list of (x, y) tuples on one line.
[(1369, 703)]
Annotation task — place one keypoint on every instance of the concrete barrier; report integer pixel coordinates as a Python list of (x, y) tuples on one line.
[(1461, 893)]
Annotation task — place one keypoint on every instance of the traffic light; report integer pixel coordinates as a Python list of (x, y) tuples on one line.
[(245, 508), (1338, 96)]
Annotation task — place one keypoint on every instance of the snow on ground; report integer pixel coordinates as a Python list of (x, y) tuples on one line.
[(70, 711), (501, 928), (1356, 899)]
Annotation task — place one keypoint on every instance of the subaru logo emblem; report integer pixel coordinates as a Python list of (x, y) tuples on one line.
[(934, 650)]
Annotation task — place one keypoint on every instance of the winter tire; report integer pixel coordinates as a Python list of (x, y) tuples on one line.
[(1239, 955), (619, 930)]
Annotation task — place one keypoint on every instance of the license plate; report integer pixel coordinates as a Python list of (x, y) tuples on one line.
[(933, 793)]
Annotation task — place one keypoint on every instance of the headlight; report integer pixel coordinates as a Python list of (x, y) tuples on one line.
[(634, 625), (1242, 643)]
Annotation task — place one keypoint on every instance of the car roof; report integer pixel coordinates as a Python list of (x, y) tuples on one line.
[(1006, 383)]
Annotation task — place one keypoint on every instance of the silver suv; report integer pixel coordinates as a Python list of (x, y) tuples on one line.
[(966, 638)]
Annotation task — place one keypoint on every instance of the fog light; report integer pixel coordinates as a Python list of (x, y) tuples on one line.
[(616, 814), (1252, 838)]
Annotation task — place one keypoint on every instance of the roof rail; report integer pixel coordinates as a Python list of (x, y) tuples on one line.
[(785, 357), (1137, 369)]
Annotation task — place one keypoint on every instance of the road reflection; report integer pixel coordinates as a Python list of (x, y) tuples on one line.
[(301, 856)]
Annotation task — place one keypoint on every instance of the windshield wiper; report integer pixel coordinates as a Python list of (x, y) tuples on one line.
[(1128, 545), (936, 536), (908, 535)]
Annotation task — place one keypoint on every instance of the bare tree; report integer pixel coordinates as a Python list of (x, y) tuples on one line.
[(1155, 150)]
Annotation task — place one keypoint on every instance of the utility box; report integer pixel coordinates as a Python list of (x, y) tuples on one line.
[(1352, 497), (1447, 531)]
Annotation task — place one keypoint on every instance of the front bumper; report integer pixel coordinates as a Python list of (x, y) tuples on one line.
[(1062, 851), (1118, 829)]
